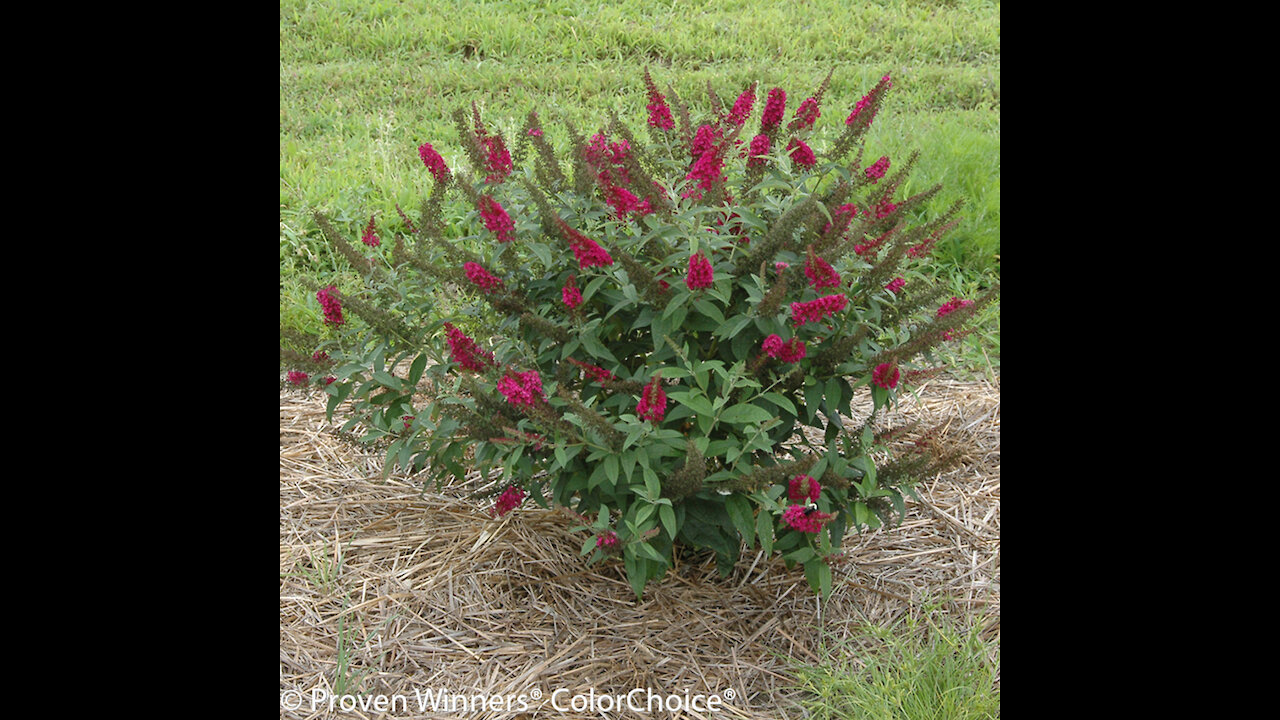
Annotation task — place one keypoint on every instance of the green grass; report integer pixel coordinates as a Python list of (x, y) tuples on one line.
[(917, 670), (363, 84)]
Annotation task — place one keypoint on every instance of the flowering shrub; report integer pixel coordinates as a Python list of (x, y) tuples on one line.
[(709, 414)]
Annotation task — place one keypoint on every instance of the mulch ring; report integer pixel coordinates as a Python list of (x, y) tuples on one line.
[(389, 591)]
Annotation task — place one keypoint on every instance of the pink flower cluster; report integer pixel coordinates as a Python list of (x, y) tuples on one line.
[(599, 374), (877, 170), (659, 113), (434, 162), (703, 140), (298, 378), (699, 272), (608, 160), (623, 201), (603, 156), (509, 500), (804, 520), (328, 298), (759, 149), (820, 272), (868, 250), (522, 389), (817, 310), (885, 208), (369, 238), (791, 351), (801, 153), (886, 376), (895, 285), (775, 107), (742, 107), (653, 401), (858, 111), (952, 305), (481, 277), (498, 162), (570, 293), (923, 249), (806, 115), (408, 224), (607, 539), (706, 170), (588, 253), (496, 219), (464, 351), (842, 218), (803, 487), (949, 307)]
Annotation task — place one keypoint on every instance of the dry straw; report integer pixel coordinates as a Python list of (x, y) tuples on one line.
[(386, 590)]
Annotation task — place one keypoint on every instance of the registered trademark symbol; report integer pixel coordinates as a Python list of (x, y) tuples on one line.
[(536, 693), (729, 693)]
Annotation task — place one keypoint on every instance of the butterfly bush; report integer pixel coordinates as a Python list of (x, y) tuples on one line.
[(532, 322)]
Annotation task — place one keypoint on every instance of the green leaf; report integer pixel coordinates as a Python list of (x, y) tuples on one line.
[(819, 468), (593, 346), (677, 318), (674, 373), (597, 477), (739, 509), (336, 396), (636, 572), (696, 402), (732, 327), (802, 554), (611, 469), (781, 402), (386, 379), (675, 304), (818, 573), (879, 396), (647, 550), (628, 461), (743, 413), (831, 393), (651, 484), (542, 251), (719, 447), (643, 513), (764, 531), (668, 518), (592, 286), (708, 309), (415, 371), (899, 505), (860, 512), (812, 399)]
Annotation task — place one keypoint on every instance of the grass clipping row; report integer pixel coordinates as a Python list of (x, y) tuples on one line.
[(389, 591)]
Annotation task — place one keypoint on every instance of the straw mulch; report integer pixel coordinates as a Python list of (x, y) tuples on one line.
[(425, 591)]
